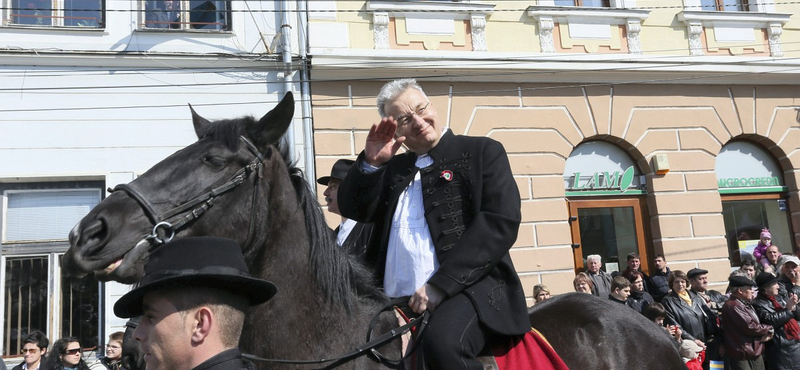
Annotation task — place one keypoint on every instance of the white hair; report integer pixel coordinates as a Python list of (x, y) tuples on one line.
[(394, 88), (594, 257)]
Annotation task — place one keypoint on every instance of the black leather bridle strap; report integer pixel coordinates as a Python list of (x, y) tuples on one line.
[(369, 347)]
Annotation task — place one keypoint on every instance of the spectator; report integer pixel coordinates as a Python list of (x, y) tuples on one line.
[(685, 309), (692, 354), (789, 279), (635, 264), (351, 235), (436, 216), (660, 278), (698, 279), (639, 299), (783, 351), (772, 257), (113, 358), (200, 284), (620, 290), (749, 266), (760, 251), (656, 313), (66, 354), (743, 334), (601, 280), (583, 283), (540, 293), (167, 16), (34, 347)]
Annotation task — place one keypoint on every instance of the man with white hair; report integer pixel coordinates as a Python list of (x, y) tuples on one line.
[(601, 280), (789, 276)]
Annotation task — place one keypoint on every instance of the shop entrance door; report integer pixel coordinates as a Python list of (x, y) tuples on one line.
[(612, 228)]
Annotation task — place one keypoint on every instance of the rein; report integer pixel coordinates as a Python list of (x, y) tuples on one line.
[(197, 206), (370, 346)]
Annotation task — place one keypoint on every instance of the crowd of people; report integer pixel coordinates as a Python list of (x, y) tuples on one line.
[(753, 325), (67, 354)]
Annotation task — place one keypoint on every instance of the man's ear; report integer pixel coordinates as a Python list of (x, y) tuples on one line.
[(204, 320)]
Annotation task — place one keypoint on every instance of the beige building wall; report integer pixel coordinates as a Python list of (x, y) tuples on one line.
[(540, 125)]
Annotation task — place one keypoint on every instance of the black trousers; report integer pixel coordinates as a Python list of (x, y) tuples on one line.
[(455, 337)]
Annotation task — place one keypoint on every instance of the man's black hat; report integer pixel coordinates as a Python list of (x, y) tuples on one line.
[(765, 279), (739, 281), (339, 171), (196, 261), (695, 272)]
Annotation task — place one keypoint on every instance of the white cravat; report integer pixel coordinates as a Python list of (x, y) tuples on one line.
[(344, 230), (411, 255)]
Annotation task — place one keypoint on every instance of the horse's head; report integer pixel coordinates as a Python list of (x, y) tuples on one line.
[(226, 163)]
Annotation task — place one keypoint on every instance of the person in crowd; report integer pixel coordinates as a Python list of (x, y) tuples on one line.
[(34, 347), (583, 283), (783, 351), (692, 354), (620, 290), (698, 279), (639, 299), (743, 335), (749, 266), (660, 278), (656, 313), (113, 357), (351, 235), (540, 293), (65, 354), (601, 280), (760, 251), (772, 257), (166, 16), (789, 279), (192, 300), (447, 212), (685, 309), (635, 264)]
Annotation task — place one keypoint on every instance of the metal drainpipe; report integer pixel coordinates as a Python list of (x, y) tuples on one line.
[(305, 94), (288, 74)]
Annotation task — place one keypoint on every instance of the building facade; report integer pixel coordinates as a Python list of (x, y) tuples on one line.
[(631, 126), (94, 93)]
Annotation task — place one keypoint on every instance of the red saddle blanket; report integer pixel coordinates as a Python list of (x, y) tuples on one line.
[(531, 352)]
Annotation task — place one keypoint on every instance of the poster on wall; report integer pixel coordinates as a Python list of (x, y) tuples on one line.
[(746, 247)]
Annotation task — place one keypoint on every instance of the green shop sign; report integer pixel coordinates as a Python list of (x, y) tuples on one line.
[(603, 182), (748, 182)]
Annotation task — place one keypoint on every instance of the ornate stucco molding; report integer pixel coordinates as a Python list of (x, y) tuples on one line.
[(633, 27), (695, 32), (380, 27), (774, 31), (478, 27), (697, 20), (546, 41)]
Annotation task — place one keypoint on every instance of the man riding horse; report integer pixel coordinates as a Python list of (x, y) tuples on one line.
[(446, 213)]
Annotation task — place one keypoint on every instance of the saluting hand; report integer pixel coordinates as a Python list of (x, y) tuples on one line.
[(381, 144)]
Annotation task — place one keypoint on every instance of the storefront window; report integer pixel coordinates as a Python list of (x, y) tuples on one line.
[(26, 303)]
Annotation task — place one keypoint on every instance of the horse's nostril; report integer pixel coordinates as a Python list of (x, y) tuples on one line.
[(91, 230)]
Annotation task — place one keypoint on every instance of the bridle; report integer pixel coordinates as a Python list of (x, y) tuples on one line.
[(171, 221)]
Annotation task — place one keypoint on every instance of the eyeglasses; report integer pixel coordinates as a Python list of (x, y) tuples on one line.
[(72, 351), (28, 350), (402, 121), (112, 347)]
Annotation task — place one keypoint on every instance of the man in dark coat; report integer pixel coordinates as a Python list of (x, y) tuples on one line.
[(789, 276), (192, 300), (446, 213), (743, 334), (165, 17), (783, 351), (660, 278), (698, 279), (351, 235)]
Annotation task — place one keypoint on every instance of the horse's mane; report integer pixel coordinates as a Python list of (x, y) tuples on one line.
[(340, 275)]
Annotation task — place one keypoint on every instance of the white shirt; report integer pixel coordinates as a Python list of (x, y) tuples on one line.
[(344, 230), (411, 255)]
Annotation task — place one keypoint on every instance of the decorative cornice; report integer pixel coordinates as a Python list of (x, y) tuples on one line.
[(761, 20), (564, 13), (458, 10)]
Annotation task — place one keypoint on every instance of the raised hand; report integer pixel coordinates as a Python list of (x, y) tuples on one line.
[(381, 144)]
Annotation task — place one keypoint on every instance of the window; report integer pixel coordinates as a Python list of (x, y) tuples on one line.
[(725, 5), (66, 13), (745, 216), (583, 3), (187, 14), (36, 219)]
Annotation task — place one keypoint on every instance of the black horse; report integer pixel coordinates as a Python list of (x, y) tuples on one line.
[(325, 297)]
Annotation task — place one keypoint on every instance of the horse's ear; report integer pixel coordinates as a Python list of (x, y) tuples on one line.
[(274, 124), (200, 123)]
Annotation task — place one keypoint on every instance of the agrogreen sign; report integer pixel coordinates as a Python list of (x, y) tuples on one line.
[(748, 182)]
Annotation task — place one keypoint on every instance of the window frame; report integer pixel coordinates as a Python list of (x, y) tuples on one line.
[(58, 10), (720, 6), (185, 8)]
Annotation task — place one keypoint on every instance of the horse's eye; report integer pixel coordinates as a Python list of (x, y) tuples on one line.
[(214, 161)]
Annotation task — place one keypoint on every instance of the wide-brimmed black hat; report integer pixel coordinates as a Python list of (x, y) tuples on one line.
[(765, 279), (738, 281), (196, 261), (338, 171), (695, 272)]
